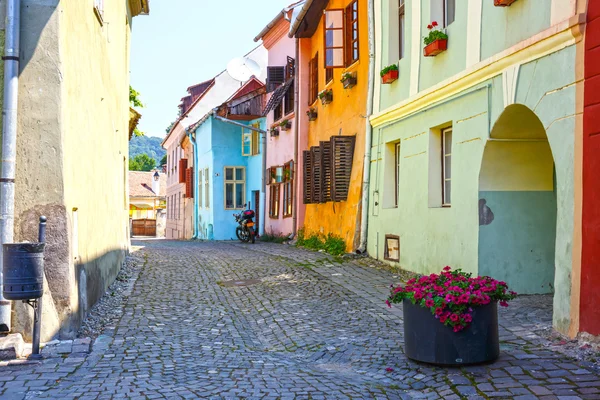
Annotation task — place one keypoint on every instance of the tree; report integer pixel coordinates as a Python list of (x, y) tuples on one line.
[(163, 160), (170, 126), (142, 162), (134, 98)]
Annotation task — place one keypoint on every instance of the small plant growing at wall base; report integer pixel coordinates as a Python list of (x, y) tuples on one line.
[(329, 243), (503, 3), (312, 114), (348, 80), (326, 96), (435, 42), (389, 74), (285, 124)]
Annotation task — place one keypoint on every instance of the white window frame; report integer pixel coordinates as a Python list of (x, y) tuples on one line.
[(397, 173), (206, 189), (235, 182), (446, 177), (200, 187), (246, 134)]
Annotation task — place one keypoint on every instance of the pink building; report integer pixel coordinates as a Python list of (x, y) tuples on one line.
[(284, 208)]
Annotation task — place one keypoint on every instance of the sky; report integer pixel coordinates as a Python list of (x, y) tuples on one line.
[(184, 42)]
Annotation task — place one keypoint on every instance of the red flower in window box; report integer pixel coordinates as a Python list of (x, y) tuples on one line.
[(503, 3), (389, 74), (436, 47)]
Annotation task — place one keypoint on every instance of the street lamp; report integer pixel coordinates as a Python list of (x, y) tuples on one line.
[(156, 176)]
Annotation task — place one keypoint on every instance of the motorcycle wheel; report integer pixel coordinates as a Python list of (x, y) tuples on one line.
[(252, 235), (242, 234)]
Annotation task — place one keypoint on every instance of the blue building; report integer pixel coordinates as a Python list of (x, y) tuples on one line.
[(229, 160)]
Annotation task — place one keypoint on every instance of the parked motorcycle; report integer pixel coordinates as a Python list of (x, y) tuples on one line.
[(245, 229)]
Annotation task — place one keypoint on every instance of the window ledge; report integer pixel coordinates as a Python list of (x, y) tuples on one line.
[(352, 67), (99, 15)]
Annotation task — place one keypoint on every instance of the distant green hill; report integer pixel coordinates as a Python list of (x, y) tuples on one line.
[(146, 145)]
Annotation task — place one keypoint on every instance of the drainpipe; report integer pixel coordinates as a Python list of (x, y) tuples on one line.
[(368, 133), (296, 130), (195, 185), (9, 141)]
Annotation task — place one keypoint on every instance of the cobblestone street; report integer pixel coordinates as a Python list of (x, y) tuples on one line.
[(229, 320)]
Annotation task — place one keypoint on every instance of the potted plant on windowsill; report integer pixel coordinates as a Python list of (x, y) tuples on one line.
[(389, 74), (451, 318), (435, 42), (326, 96), (312, 114), (285, 125), (274, 132), (348, 80), (503, 3)]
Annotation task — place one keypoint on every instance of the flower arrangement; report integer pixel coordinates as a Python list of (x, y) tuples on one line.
[(388, 69), (274, 131), (326, 96), (285, 124), (451, 295), (348, 79), (435, 33), (311, 113)]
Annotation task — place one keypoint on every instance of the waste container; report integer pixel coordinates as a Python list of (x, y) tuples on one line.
[(23, 268)]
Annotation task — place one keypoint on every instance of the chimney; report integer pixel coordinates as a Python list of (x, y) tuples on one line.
[(156, 183)]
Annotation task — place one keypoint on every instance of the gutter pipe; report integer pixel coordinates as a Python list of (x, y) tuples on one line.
[(299, 18), (296, 132), (9, 141), (195, 185), (368, 133)]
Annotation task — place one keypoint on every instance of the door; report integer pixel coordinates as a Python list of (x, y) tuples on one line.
[(256, 197)]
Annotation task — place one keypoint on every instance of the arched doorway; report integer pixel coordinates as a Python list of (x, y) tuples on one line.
[(517, 204)]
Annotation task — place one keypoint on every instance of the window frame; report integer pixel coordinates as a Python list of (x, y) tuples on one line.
[(401, 28), (386, 251), (206, 189), (274, 195), (290, 94), (255, 139), (348, 30), (200, 187), (397, 149), (325, 30), (99, 10), (246, 133), (287, 199), (235, 182), (445, 12), (445, 179)]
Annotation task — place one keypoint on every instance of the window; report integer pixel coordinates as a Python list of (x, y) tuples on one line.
[(200, 184), (313, 79), (274, 201), (250, 141), (206, 192), (287, 199), (277, 113), (401, 27), (449, 12), (334, 38), (275, 77), (99, 9), (391, 249), (446, 166), (351, 46), (235, 188), (328, 75), (288, 103), (179, 207), (396, 173)]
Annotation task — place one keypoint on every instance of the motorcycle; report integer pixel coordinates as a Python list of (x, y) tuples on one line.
[(245, 229)]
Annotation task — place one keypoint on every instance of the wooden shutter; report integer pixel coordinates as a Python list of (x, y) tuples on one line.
[(189, 182), (351, 33), (342, 149), (317, 175), (275, 77), (290, 68), (182, 168), (313, 82), (307, 178), (326, 166)]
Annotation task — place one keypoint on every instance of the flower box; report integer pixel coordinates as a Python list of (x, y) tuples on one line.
[(326, 96), (312, 114), (436, 47), (285, 125), (426, 340), (451, 318), (503, 3), (274, 132), (389, 77), (348, 80)]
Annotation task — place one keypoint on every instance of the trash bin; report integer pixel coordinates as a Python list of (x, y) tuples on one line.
[(23, 268)]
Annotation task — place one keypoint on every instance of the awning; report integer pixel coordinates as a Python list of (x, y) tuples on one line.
[(277, 96)]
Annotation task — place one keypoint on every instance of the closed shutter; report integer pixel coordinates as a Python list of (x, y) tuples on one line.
[(182, 168), (275, 77), (317, 175), (326, 167), (313, 84), (342, 148), (307, 178), (189, 182)]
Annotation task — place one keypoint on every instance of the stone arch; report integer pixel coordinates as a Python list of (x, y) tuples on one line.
[(518, 204)]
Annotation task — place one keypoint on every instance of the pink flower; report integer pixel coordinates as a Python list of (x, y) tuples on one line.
[(467, 317), (446, 268), (454, 318), (388, 303), (388, 369), (458, 328), (439, 311), (443, 318), (429, 303), (429, 27), (504, 304), (434, 23)]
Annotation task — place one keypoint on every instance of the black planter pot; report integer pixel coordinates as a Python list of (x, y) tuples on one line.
[(427, 340)]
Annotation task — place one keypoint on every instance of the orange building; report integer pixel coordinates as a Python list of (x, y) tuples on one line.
[(334, 72)]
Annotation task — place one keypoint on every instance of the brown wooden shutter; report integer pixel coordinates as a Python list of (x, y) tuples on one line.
[(326, 166), (307, 178), (317, 175), (342, 148), (189, 182), (275, 77), (313, 68), (182, 168)]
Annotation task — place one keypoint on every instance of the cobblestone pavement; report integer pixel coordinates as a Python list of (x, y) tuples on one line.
[(306, 327)]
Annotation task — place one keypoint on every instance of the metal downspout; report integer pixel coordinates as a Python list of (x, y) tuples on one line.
[(368, 132), (195, 186), (296, 130), (9, 141)]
